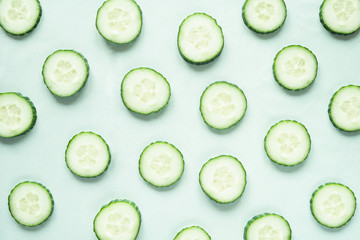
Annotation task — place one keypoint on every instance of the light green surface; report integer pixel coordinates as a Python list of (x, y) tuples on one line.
[(246, 61)]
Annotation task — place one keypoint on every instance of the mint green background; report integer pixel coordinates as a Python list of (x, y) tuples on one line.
[(246, 61)]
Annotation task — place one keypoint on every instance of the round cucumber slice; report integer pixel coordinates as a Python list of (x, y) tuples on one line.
[(222, 105), (200, 39), (267, 226), (264, 16), (17, 114), (192, 233), (118, 220), (344, 108), (223, 179), (19, 17), (30, 203), (295, 67), (119, 21), (340, 16), (287, 143), (145, 91), (65, 72), (161, 164), (87, 155), (333, 205)]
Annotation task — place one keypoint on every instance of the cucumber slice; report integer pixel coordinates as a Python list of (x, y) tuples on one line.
[(267, 226), (30, 203), (161, 164), (145, 91), (65, 72), (222, 105), (87, 155), (340, 16), (19, 17), (118, 220), (344, 108), (200, 39), (17, 114), (333, 205), (119, 21), (264, 16), (192, 233), (287, 143), (223, 179), (295, 67)]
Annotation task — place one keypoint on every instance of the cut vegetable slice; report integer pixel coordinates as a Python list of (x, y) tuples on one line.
[(287, 143), (223, 179), (333, 205), (161, 164), (118, 220), (30, 203), (119, 21), (17, 114), (267, 226), (264, 16), (200, 39), (145, 91), (295, 67), (192, 233), (87, 155), (340, 16), (344, 108), (19, 17), (222, 105), (65, 72)]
